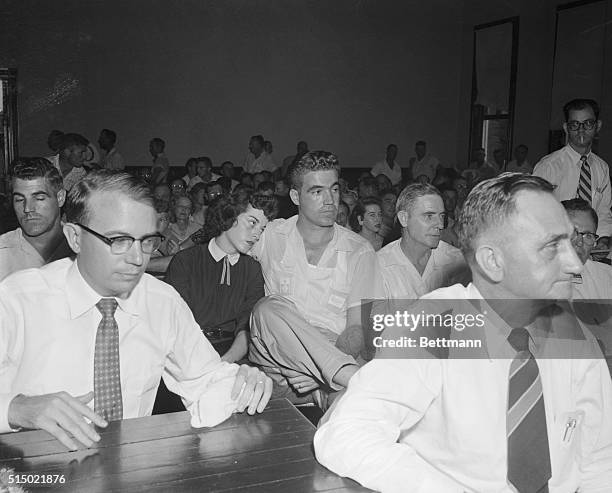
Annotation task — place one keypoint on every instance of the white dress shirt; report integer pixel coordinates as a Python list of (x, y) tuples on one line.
[(562, 169), (595, 283), (16, 253), (393, 173), (446, 266), (514, 167), (48, 325), (254, 164), (439, 425), (324, 292), (112, 160), (426, 166)]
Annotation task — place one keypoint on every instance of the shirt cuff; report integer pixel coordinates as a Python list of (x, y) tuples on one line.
[(215, 404), (5, 402)]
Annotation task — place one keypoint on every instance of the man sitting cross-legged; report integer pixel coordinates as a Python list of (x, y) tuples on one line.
[(307, 332), (218, 282)]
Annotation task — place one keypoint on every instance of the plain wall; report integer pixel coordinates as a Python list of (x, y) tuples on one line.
[(347, 76)]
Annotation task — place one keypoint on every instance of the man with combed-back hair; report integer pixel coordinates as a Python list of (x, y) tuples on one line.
[(419, 261), (307, 332), (575, 170), (520, 414), (100, 328), (38, 196)]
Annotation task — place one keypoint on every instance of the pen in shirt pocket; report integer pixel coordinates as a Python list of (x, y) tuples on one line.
[(570, 426)]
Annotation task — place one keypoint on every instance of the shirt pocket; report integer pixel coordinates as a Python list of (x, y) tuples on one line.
[(282, 277), (566, 442)]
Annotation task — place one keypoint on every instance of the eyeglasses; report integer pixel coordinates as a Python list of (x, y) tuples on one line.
[(585, 237), (587, 125), (122, 244)]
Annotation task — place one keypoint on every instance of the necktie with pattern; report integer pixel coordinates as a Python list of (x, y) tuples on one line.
[(584, 182), (108, 402), (528, 454)]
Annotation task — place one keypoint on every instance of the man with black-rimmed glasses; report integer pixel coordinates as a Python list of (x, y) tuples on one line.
[(85, 342), (575, 170)]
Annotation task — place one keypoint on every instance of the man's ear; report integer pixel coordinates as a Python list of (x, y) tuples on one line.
[(295, 196), (490, 259), (565, 129), (598, 126), (73, 235), (61, 197), (402, 217)]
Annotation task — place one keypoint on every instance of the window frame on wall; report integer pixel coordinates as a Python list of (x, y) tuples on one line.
[(479, 119), (9, 130)]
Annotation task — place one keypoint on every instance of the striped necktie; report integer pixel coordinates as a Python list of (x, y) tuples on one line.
[(584, 182), (108, 402), (225, 274), (528, 454)]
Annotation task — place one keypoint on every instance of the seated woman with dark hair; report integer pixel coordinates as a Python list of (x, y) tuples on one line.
[(366, 220), (217, 280)]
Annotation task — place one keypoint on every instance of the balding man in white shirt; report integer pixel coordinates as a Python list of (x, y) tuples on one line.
[(419, 261)]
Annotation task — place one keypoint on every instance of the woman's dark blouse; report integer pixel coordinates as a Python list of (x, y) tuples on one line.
[(195, 274)]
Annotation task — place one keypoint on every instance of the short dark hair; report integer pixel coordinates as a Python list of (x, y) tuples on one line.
[(580, 104), (258, 138), (54, 140), (111, 134), (523, 146), (311, 161), (30, 168), (159, 142), (196, 188), (581, 205), (359, 211), (204, 159), (420, 143), (191, 162), (265, 185), (104, 180), (223, 211), (69, 140), (490, 203), (390, 146)]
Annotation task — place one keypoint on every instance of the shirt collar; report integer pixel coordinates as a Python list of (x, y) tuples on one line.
[(496, 329), (218, 254), (574, 155), (82, 297)]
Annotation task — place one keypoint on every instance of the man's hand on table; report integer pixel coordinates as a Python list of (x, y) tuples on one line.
[(60, 414), (257, 389)]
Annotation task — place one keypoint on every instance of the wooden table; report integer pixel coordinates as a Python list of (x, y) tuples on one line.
[(270, 452)]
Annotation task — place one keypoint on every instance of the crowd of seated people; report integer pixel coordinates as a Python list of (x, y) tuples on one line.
[(277, 261)]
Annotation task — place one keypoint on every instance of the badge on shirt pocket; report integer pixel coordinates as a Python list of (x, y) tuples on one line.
[(285, 286), (336, 301)]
